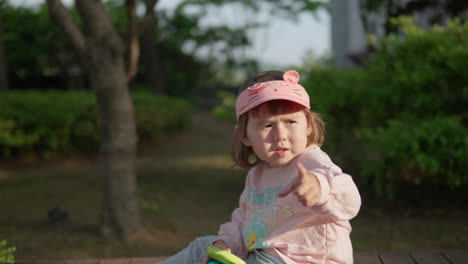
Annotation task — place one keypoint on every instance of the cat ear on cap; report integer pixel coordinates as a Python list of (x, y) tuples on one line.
[(291, 76)]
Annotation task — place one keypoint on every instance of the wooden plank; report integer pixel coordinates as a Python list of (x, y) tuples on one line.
[(36, 262), (457, 257), (429, 257), (79, 261), (147, 260), (76, 261), (115, 261), (366, 258), (396, 258)]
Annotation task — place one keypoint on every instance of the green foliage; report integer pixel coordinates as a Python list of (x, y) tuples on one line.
[(422, 73), (405, 113), (431, 150), (181, 38), (6, 252), (191, 50), (285, 8), (224, 41), (34, 47), (227, 109), (52, 123), (47, 123), (155, 116)]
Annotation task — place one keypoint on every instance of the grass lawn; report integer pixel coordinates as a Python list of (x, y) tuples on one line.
[(187, 189)]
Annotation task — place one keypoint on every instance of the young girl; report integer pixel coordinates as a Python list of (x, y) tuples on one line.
[(296, 204)]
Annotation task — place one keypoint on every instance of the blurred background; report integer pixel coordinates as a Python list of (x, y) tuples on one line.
[(80, 83)]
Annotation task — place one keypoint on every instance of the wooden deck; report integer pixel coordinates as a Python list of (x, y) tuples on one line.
[(417, 257)]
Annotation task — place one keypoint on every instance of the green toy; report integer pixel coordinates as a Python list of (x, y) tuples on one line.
[(223, 256)]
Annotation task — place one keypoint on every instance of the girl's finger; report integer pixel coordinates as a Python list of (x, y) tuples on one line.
[(303, 190), (296, 182), (302, 170), (310, 199)]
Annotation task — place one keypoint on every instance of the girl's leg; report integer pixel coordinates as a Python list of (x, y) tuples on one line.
[(193, 254), (251, 259), (263, 258)]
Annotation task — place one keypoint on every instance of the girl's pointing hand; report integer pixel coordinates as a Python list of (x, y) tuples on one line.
[(305, 186)]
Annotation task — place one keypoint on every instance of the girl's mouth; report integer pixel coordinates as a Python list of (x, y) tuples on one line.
[(281, 151)]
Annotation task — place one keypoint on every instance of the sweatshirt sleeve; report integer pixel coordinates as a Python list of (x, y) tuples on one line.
[(231, 232), (340, 198)]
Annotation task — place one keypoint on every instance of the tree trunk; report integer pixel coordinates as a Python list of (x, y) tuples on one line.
[(3, 64), (103, 54), (152, 73), (133, 44)]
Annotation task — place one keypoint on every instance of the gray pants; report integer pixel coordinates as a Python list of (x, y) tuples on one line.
[(196, 251)]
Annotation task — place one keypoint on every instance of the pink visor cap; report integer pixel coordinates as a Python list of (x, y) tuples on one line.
[(287, 89)]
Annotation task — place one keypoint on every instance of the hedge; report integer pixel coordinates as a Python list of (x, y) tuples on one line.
[(6, 252), (51, 123), (403, 118)]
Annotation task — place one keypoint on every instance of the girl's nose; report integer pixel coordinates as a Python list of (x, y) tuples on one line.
[(280, 133)]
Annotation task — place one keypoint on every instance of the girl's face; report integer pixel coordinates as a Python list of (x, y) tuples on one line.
[(277, 138)]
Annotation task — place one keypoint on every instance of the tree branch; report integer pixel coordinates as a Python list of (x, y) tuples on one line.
[(132, 40), (97, 26), (150, 4), (60, 15), (149, 14)]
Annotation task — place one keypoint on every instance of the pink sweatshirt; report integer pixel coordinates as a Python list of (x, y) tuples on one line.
[(283, 227)]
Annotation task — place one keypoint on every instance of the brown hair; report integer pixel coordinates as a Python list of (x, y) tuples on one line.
[(243, 155)]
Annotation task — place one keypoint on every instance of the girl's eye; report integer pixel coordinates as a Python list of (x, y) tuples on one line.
[(291, 122), (267, 126)]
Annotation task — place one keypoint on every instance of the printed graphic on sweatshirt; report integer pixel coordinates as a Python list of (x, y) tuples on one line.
[(256, 234), (261, 207), (268, 197)]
